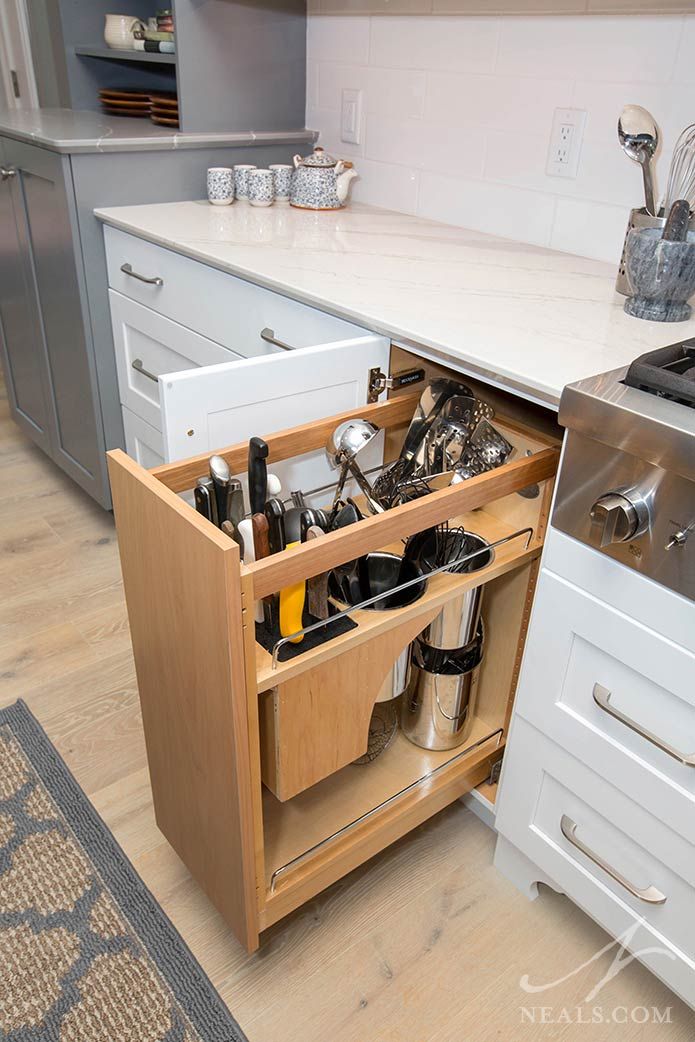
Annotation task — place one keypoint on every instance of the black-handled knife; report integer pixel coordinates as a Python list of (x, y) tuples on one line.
[(205, 500), (258, 474), (275, 512)]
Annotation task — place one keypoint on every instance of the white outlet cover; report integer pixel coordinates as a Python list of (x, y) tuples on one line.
[(566, 142), (351, 115)]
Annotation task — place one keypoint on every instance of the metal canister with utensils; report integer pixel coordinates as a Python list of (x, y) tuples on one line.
[(437, 711), (439, 706)]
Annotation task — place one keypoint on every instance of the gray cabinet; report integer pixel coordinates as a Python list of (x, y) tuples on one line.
[(55, 328), (48, 365), (21, 339)]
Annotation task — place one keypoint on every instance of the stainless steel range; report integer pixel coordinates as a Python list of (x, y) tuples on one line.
[(627, 479)]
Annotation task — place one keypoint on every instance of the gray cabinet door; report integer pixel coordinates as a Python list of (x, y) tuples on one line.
[(44, 180), (21, 337)]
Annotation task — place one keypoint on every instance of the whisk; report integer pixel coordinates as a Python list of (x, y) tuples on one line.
[(681, 176)]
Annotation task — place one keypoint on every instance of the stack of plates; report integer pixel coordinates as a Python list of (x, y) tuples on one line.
[(125, 102), (165, 109)]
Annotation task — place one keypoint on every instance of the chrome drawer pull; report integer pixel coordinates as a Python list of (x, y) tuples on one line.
[(650, 894), (269, 336), (602, 698), (139, 367), (6, 172), (154, 281)]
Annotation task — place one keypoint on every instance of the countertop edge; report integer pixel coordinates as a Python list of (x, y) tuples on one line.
[(178, 142), (540, 395)]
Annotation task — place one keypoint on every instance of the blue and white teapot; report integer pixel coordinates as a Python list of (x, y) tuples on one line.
[(320, 182)]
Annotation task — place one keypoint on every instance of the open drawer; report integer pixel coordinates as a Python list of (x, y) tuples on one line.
[(219, 712), (200, 395)]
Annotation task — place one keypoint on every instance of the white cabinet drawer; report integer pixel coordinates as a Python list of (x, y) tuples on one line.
[(217, 305), (142, 442), (609, 855), (201, 397), (623, 588), (616, 694), (148, 345)]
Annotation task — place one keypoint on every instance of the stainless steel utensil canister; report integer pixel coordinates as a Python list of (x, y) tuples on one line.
[(457, 623), (438, 708)]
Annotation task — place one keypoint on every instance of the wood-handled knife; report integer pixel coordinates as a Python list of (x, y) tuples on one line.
[(317, 586), (261, 543)]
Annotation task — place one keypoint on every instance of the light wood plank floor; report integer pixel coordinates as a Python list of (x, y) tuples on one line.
[(427, 943)]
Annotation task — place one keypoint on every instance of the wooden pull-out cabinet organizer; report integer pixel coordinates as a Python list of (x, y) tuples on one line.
[(251, 760)]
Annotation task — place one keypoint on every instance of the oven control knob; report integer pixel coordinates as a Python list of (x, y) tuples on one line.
[(615, 518)]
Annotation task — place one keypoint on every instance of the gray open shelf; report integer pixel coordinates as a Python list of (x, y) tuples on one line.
[(126, 56), (240, 65)]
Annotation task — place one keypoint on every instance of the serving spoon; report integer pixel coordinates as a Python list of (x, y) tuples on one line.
[(639, 137)]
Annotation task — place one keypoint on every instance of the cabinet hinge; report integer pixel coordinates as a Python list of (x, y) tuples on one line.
[(379, 382)]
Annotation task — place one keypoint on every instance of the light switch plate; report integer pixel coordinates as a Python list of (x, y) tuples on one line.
[(351, 115), (566, 142)]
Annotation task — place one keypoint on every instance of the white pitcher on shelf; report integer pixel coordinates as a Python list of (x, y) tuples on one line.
[(119, 29)]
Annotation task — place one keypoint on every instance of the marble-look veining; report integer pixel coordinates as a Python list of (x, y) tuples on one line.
[(525, 317), (73, 131)]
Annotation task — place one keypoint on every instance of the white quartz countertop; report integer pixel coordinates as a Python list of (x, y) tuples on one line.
[(520, 316), (75, 131)]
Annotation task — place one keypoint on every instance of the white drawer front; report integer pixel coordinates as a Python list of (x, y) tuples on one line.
[(586, 662), (145, 340), (142, 442), (640, 598), (215, 304), (613, 858)]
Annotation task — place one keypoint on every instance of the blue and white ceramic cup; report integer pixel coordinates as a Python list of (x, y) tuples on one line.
[(261, 187), (282, 176), (220, 185), (241, 180)]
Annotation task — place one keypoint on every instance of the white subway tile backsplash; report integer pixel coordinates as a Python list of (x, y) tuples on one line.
[(425, 146), (434, 43), (384, 184), (498, 209), (607, 48), (332, 38), (398, 92), (589, 229), (495, 102), (457, 113), (328, 122)]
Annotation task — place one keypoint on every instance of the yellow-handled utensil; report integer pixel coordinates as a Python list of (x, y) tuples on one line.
[(292, 607)]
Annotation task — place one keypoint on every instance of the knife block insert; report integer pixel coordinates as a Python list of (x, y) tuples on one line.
[(333, 628)]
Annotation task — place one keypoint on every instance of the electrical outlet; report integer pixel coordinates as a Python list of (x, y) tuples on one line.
[(566, 142), (351, 115)]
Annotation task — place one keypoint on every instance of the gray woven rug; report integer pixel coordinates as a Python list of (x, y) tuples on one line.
[(86, 953)]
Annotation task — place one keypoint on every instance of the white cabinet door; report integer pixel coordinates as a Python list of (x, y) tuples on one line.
[(211, 408)]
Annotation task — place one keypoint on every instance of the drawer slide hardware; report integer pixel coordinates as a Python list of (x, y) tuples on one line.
[(498, 734), (380, 382), (602, 698), (269, 336), (650, 894), (153, 280), (139, 367)]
